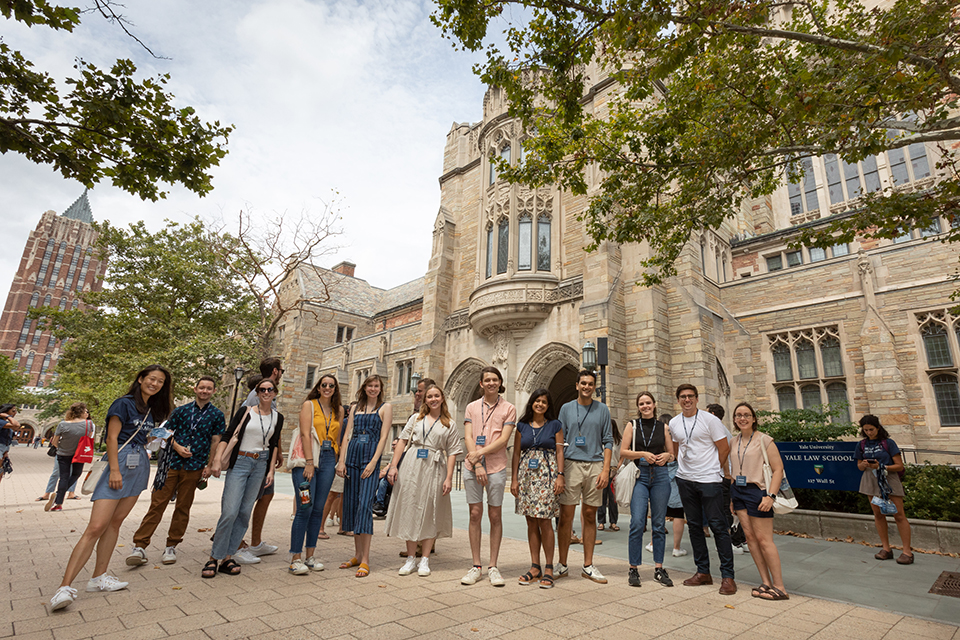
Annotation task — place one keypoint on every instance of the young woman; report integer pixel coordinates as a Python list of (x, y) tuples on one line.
[(877, 450), (608, 503), (148, 402), (753, 500), (647, 443), (420, 507), (8, 425), (320, 418), (66, 439), (248, 450), (537, 481), (359, 466)]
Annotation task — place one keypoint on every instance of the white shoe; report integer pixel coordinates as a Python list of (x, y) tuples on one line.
[(313, 564), (745, 547), (263, 549), (737, 550), (560, 571), (592, 573), (298, 568), (409, 566), (245, 557), (106, 582), (472, 576), (62, 598), (649, 547), (137, 557), (169, 555), (495, 578), (679, 552), (424, 569)]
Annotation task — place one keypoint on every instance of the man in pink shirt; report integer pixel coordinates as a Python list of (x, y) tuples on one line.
[(488, 426)]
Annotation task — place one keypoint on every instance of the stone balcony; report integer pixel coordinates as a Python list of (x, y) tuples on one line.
[(516, 304)]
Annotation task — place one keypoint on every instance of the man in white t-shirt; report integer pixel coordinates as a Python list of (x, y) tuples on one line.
[(702, 449)]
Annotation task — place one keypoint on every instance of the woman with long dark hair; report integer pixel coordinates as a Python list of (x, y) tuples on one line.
[(148, 402), (66, 439)]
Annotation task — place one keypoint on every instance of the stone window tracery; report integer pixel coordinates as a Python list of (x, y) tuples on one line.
[(819, 368), (940, 333)]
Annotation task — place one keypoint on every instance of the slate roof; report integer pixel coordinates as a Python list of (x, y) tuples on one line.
[(355, 295), (80, 209)]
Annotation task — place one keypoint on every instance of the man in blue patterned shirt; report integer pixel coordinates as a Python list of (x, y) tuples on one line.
[(197, 428)]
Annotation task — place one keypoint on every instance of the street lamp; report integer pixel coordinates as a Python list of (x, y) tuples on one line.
[(237, 376), (415, 378), (597, 355), (589, 356)]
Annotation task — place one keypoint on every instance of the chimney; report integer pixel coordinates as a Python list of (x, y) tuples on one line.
[(345, 268)]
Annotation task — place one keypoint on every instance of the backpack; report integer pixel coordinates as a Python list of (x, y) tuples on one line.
[(886, 447)]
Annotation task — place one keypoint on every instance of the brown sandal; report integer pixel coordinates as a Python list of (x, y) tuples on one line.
[(885, 554)]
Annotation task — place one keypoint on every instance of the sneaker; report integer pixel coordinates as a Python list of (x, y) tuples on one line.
[(409, 566), (592, 573), (495, 578), (313, 564), (679, 552), (263, 549), (298, 568), (137, 557), (62, 598), (737, 550), (56, 507), (633, 577), (660, 575), (245, 557), (106, 582), (472, 576), (50, 501), (424, 569), (169, 555), (560, 571), (649, 547)]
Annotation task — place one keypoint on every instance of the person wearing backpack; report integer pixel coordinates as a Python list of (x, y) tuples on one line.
[(875, 452)]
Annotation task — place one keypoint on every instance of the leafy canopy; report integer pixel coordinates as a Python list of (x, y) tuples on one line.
[(714, 101), (11, 383), (107, 125)]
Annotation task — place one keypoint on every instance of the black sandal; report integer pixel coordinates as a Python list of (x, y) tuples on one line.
[(209, 569), (229, 567), (528, 577), (774, 593), (757, 592), (546, 581)]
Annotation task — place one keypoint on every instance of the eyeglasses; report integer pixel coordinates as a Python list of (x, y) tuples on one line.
[(688, 397), (742, 416), (329, 385), (266, 390)]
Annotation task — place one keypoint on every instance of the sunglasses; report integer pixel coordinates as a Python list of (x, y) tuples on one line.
[(266, 390), (328, 385)]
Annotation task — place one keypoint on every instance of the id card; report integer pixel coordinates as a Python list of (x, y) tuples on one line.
[(580, 441), (481, 440), (326, 445), (133, 460), (363, 438), (741, 481), (533, 463), (422, 454)]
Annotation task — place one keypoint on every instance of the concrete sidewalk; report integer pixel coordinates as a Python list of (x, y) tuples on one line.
[(265, 601)]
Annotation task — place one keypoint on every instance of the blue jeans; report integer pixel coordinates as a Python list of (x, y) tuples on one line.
[(236, 504), (55, 477), (706, 498), (653, 488), (383, 492), (308, 521)]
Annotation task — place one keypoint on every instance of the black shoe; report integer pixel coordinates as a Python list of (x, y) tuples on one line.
[(633, 577), (660, 575)]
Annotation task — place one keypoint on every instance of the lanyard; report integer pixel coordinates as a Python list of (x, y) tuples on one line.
[(425, 432), (483, 420), (689, 433), (740, 456), (194, 420), (326, 423), (646, 440), (536, 435), (263, 432), (579, 421)]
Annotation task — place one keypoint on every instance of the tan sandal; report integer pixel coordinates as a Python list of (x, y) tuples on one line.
[(352, 562), (363, 571)]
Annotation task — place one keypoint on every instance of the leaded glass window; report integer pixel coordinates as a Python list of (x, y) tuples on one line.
[(524, 243), (786, 398), (948, 399), (543, 244), (781, 362), (489, 251), (935, 344), (810, 395), (503, 245), (832, 358), (806, 360)]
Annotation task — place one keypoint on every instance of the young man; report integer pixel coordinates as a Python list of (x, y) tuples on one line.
[(488, 425), (719, 412), (702, 449), (589, 445), (197, 428)]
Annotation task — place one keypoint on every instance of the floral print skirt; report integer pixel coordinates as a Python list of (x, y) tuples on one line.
[(537, 499)]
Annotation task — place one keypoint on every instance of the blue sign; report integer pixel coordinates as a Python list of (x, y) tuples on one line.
[(821, 465)]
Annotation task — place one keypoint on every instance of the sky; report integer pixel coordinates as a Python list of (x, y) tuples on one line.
[(332, 100)]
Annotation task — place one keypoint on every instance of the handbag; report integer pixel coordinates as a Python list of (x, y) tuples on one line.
[(737, 535), (52, 451), (784, 502), (84, 452), (296, 458), (96, 471), (234, 441), (164, 458), (627, 477)]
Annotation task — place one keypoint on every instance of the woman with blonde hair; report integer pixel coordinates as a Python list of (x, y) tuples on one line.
[(66, 439)]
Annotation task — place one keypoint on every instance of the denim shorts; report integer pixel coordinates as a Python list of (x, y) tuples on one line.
[(748, 498)]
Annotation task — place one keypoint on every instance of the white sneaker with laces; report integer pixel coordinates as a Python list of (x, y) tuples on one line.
[(424, 569), (169, 555), (592, 573), (263, 549), (313, 564), (495, 578), (137, 557), (106, 582), (472, 576), (649, 547), (62, 598), (408, 567), (679, 552), (298, 568), (560, 571), (245, 557)]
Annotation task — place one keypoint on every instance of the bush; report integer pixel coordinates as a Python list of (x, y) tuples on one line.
[(821, 424)]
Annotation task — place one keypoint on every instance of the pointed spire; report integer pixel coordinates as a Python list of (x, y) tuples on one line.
[(80, 209)]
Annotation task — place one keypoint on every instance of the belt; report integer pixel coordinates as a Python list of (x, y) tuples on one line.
[(248, 454)]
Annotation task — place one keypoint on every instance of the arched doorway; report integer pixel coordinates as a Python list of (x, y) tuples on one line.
[(553, 366), (563, 387), (463, 387)]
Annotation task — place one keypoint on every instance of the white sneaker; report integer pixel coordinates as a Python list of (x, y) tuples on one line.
[(424, 569), (737, 550), (263, 549), (472, 576), (560, 571), (679, 552), (106, 582), (245, 557), (649, 547), (745, 547), (62, 598), (495, 578), (592, 573), (409, 566), (313, 564), (298, 568), (137, 557), (169, 555)]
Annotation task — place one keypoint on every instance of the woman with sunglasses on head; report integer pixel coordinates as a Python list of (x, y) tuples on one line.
[(320, 418), (359, 466), (248, 451), (148, 402)]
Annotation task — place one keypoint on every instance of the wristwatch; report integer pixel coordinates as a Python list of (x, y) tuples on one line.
[(772, 496), (560, 473)]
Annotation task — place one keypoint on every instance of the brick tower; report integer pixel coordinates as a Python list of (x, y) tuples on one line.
[(58, 263)]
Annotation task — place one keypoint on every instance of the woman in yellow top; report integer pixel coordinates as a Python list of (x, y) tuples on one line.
[(320, 418)]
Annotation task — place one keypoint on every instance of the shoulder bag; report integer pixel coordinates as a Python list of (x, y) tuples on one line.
[(784, 501), (84, 452), (627, 477), (93, 476), (234, 441)]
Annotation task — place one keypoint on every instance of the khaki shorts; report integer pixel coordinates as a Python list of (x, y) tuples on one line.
[(581, 482), (496, 483)]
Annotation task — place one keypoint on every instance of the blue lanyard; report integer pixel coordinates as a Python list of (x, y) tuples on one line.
[(689, 433), (483, 421), (739, 442), (579, 421), (427, 433), (646, 441)]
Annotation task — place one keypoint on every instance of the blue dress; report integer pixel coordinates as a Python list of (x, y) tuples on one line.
[(358, 493)]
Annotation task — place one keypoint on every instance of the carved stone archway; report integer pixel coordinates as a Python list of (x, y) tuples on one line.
[(462, 386), (544, 365)]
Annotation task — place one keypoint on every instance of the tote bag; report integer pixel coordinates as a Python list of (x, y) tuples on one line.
[(84, 452)]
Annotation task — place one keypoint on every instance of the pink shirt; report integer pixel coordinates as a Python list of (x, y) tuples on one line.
[(489, 422)]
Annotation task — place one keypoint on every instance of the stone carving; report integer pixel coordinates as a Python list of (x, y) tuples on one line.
[(544, 364), (383, 348), (345, 356), (501, 349), (863, 264), (457, 320)]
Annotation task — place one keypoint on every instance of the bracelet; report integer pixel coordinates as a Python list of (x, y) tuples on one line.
[(560, 473), (310, 462)]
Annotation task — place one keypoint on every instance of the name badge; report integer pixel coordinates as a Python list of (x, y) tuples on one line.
[(133, 459), (580, 441), (326, 445), (363, 438), (533, 463), (741, 481), (481, 440), (422, 454)]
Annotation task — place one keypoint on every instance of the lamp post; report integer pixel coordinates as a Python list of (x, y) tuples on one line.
[(237, 376), (597, 355)]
